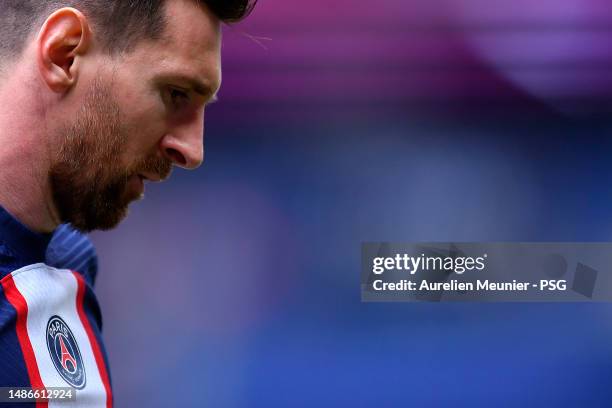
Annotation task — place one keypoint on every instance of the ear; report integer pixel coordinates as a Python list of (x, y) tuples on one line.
[(62, 41)]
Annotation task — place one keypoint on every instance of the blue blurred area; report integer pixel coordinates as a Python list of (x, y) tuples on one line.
[(238, 285)]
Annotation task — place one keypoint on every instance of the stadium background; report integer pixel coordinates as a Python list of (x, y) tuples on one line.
[(346, 121)]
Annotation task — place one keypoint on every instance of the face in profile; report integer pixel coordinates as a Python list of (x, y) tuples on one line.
[(140, 114), (91, 189)]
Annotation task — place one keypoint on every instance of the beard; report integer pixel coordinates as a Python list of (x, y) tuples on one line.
[(90, 187)]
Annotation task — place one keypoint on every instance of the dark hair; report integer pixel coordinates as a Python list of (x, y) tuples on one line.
[(121, 23)]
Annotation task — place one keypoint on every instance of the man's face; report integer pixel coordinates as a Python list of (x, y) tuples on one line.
[(138, 114)]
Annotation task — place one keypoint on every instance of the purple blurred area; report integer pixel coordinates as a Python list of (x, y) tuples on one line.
[(339, 122), (322, 59)]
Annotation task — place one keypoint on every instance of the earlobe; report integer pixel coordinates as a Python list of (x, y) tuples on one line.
[(62, 41)]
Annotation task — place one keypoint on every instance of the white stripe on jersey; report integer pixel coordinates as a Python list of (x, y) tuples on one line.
[(52, 292)]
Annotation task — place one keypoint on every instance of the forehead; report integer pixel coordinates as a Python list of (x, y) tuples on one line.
[(189, 47)]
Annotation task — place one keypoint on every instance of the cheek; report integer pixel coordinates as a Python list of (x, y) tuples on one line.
[(145, 126), (186, 116), (143, 115)]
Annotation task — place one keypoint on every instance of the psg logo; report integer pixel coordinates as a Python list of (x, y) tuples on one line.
[(65, 353)]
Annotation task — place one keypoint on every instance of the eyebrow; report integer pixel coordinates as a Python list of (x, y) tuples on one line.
[(197, 86)]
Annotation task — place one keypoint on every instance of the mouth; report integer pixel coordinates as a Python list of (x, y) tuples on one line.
[(136, 187), (150, 177)]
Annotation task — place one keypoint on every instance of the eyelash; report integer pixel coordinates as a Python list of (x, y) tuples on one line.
[(178, 98)]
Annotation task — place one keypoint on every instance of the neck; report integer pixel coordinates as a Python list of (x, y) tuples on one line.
[(25, 190)]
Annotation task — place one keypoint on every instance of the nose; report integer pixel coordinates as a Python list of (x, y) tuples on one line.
[(184, 144)]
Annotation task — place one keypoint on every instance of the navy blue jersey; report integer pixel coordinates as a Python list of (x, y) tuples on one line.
[(50, 321)]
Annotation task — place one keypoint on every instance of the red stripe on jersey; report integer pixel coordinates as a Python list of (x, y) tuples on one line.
[(92, 339), (17, 300)]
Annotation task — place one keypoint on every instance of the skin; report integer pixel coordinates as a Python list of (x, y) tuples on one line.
[(158, 90)]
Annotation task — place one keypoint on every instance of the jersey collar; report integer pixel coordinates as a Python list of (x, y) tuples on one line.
[(26, 246)]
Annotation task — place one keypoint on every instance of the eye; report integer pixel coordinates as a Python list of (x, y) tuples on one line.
[(178, 97)]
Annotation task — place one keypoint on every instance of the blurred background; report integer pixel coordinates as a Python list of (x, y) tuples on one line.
[(339, 122)]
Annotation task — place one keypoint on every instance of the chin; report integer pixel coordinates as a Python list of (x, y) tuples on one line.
[(105, 221)]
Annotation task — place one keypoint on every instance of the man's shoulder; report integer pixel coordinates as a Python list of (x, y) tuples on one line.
[(70, 249)]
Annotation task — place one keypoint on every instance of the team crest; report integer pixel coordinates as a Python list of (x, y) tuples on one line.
[(65, 353)]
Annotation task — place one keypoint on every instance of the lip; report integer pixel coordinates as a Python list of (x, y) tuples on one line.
[(136, 185), (149, 177)]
